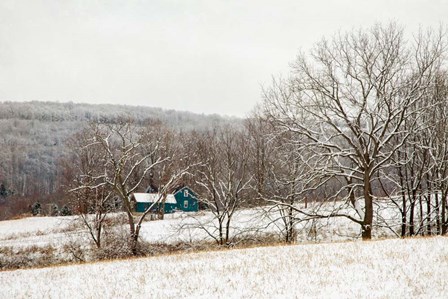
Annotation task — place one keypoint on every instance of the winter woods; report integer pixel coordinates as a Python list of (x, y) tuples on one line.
[(359, 105), (360, 124)]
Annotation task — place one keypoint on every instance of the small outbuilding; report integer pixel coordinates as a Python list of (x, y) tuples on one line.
[(144, 201), (187, 200), (183, 199)]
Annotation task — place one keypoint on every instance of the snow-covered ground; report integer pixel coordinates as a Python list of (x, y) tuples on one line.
[(180, 227), (411, 268), (32, 225)]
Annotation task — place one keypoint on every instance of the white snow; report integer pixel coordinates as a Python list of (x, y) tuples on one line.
[(33, 226), (153, 197), (182, 227), (411, 268)]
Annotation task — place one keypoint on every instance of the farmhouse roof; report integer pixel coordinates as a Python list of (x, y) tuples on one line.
[(153, 197)]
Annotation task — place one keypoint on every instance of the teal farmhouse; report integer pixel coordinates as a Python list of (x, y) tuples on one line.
[(183, 199)]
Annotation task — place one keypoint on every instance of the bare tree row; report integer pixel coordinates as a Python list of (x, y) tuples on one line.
[(365, 117)]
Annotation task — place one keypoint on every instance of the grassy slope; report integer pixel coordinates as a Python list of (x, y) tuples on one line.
[(377, 269)]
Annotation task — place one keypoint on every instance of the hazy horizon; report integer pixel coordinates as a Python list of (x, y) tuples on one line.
[(198, 56)]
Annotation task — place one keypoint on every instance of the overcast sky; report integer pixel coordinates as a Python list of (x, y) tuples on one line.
[(209, 56)]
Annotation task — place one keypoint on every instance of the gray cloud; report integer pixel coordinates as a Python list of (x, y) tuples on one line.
[(204, 56)]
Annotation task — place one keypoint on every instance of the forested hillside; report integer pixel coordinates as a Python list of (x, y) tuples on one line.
[(34, 134)]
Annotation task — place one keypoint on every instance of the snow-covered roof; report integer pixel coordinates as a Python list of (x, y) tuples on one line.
[(153, 197)]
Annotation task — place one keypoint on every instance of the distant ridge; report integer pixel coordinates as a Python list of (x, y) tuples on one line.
[(55, 111), (33, 136)]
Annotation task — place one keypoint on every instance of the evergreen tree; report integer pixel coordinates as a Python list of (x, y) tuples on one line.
[(36, 208), (3, 190), (65, 211)]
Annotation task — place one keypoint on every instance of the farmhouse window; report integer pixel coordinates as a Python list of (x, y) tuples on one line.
[(186, 193), (185, 204)]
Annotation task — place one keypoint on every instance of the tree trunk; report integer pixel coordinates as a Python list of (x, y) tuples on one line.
[(227, 230), (133, 236), (98, 227), (162, 207), (368, 217), (403, 199), (444, 222), (290, 233), (221, 237), (428, 213), (436, 197), (412, 214), (420, 206), (134, 244)]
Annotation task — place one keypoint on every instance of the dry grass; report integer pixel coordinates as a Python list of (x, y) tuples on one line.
[(21, 216), (115, 247), (27, 257), (410, 268)]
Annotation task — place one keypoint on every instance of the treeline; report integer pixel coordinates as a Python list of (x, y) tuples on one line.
[(74, 112), (33, 139)]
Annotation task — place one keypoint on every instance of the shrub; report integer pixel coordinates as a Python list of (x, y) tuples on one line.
[(36, 208), (65, 211)]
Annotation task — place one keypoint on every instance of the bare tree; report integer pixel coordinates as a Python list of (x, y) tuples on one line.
[(439, 152), (129, 155), (288, 184), (259, 135), (348, 100), (415, 183), (91, 204), (223, 178)]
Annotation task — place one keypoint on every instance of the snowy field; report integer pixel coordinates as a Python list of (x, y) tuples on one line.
[(44, 241), (412, 268), (180, 227), (38, 231)]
